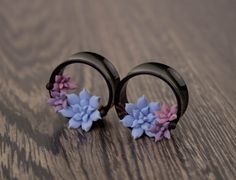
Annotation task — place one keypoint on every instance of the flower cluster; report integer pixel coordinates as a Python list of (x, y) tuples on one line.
[(61, 87), (149, 118), (58, 100), (82, 110), (63, 83), (141, 117), (165, 116)]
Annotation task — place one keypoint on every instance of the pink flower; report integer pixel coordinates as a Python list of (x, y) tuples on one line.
[(165, 116), (63, 83), (167, 113), (58, 100)]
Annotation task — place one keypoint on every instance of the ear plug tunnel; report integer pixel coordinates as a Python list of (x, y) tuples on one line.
[(85, 108), (151, 118)]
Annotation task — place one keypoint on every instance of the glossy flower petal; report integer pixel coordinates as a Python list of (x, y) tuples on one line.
[(96, 115), (167, 134), (137, 132), (127, 121), (73, 99), (149, 133), (130, 107), (68, 112), (87, 125), (145, 126), (74, 124), (84, 94), (154, 107), (142, 102), (94, 101)]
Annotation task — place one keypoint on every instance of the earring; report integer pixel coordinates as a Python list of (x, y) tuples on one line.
[(83, 109), (152, 118)]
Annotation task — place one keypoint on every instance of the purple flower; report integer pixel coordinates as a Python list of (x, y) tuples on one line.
[(165, 116), (63, 83), (82, 110), (58, 100), (141, 117)]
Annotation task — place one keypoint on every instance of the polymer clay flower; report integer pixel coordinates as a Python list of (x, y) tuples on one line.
[(141, 116), (165, 116), (82, 110), (63, 83), (58, 100)]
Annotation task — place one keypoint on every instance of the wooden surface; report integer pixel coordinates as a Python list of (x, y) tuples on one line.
[(196, 37)]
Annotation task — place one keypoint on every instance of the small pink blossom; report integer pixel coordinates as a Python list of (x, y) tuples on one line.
[(63, 83), (167, 113), (58, 100), (165, 116)]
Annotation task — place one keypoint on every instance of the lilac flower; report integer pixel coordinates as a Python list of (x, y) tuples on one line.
[(141, 117), (165, 116), (58, 100), (82, 110), (63, 83)]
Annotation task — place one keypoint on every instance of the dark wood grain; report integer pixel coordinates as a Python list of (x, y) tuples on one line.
[(196, 37)]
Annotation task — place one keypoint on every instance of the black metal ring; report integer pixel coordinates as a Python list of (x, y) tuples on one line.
[(164, 72), (98, 62)]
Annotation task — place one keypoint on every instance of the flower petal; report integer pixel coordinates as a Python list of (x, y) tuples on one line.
[(68, 112), (135, 123), (76, 108), (173, 109), (90, 109), (85, 117), (64, 104), (84, 94), (137, 132), (149, 133), (61, 85), (55, 94), (72, 85), (163, 120), (51, 101), (55, 87), (165, 108), (136, 113), (158, 136), (172, 117), (145, 110), (127, 121), (73, 99), (87, 125), (84, 102), (154, 107), (167, 134), (142, 102), (77, 117), (58, 78), (57, 108), (151, 117), (95, 116), (129, 107), (94, 101), (74, 124), (145, 126)]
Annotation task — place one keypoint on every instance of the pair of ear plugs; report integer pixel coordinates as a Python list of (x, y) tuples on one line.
[(153, 119)]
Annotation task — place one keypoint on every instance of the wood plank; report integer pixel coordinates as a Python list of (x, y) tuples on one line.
[(195, 37)]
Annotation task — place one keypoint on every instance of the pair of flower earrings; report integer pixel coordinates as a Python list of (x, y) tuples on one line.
[(143, 117)]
